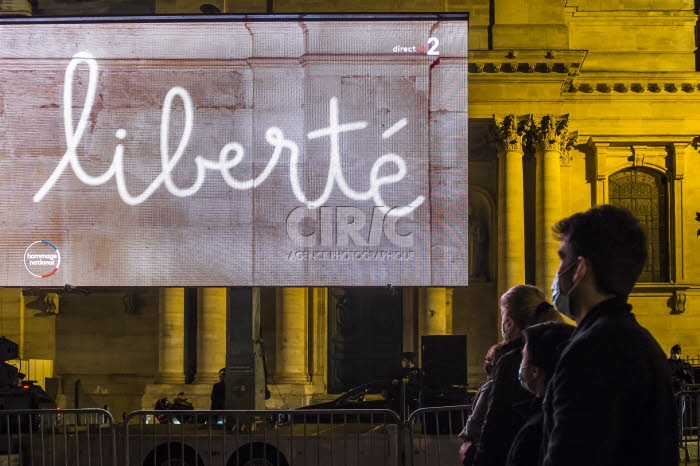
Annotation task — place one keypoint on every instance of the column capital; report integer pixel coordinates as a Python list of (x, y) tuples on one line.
[(508, 131), (552, 133)]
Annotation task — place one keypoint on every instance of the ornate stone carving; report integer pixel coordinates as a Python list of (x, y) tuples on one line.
[(552, 134), (509, 131), (696, 143), (569, 87), (637, 157), (677, 302), (573, 85), (566, 155), (566, 62), (670, 87), (509, 67)]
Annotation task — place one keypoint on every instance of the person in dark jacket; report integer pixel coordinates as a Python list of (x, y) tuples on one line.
[(681, 371), (609, 402), (521, 306), (471, 432), (218, 392), (543, 346)]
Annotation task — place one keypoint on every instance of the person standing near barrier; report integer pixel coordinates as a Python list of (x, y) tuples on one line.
[(521, 307), (471, 432), (410, 378), (681, 371), (543, 346), (681, 375), (218, 392), (610, 400)]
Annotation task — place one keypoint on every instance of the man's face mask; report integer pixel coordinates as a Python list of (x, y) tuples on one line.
[(560, 299)]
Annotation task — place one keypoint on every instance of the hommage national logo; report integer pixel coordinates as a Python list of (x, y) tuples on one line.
[(42, 259)]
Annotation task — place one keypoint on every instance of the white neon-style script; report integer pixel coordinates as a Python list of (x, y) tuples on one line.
[(230, 156)]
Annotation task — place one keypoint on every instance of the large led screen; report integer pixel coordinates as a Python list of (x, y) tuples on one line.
[(234, 151)]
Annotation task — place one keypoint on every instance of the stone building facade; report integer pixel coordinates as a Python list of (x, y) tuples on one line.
[(571, 104)]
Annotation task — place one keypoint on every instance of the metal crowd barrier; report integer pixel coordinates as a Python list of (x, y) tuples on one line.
[(270, 438), (90, 437), (433, 435), (688, 407), (43, 437)]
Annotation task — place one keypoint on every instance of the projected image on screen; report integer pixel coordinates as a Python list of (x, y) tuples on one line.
[(289, 151)]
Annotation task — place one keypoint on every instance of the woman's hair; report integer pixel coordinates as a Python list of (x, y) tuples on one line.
[(526, 305), (496, 351)]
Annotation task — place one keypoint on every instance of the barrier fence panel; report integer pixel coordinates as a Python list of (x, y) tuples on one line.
[(89, 437), (688, 406), (84, 437), (266, 438), (433, 435)]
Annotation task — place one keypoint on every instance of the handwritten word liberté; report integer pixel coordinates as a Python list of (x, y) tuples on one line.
[(231, 154)]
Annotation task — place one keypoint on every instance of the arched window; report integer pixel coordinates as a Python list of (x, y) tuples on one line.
[(644, 193)]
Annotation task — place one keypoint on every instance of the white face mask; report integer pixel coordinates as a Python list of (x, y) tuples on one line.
[(561, 300)]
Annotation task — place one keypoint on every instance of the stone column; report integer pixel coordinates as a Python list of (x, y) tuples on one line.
[(509, 132), (171, 335), (435, 311), (677, 268), (552, 142), (292, 349), (211, 333)]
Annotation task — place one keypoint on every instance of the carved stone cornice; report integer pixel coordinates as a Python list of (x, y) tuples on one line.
[(657, 87), (508, 131), (566, 62)]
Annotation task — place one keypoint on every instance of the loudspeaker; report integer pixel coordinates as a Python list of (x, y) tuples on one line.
[(444, 360)]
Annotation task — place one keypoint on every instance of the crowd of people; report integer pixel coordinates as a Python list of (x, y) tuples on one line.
[(600, 393)]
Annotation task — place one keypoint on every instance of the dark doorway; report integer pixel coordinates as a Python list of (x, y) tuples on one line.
[(365, 336)]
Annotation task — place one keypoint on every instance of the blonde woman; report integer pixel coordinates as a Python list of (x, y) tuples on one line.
[(521, 307)]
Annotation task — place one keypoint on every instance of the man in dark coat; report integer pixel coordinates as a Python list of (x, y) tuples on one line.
[(610, 401), (218, 392), (681, 371)]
